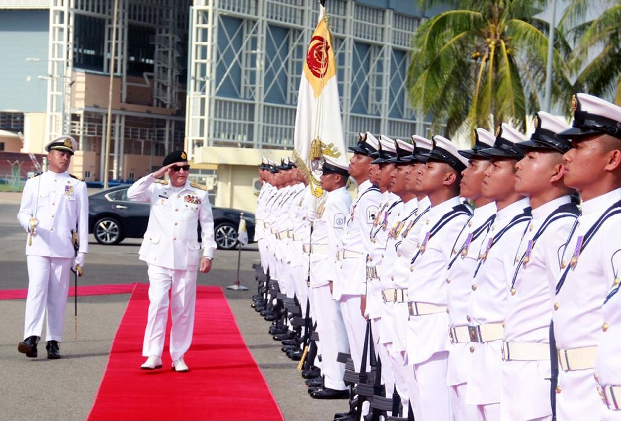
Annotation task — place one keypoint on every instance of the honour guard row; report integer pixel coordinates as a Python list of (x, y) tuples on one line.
[(475, 284)]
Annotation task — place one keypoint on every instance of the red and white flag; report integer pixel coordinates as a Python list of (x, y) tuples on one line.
[(318, 123)]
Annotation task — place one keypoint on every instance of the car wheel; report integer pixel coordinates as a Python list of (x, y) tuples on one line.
[(107, 231), (226, 236)]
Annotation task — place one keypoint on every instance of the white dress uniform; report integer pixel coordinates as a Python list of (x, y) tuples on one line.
[(461, 269), (298, 234), (525, 393), (267, 190), (608, 360), (60, 203), (172, 251), (350, 280), (327, 230), (487, 309), (427, 342), (578, 319)]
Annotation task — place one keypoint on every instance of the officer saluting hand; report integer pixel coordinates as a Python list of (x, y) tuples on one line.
[(171, 249)]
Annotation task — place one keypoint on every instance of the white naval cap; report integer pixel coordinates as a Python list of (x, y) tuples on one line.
[(330, 165), (386, 150), (62, 143), (445, 151), (545, 136), (367, 144), (482, 139), (505, 144), (592, 115)]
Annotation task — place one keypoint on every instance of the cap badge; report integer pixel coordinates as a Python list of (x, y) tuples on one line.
[(184, 156), (574, 103), (537, 121), (68, 143), (498, 130)]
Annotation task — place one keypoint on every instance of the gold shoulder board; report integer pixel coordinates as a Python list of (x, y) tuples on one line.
[(76, 177), (161, 181), (198, 186)]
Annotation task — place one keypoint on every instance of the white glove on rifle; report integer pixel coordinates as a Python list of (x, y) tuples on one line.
[(311, 215)]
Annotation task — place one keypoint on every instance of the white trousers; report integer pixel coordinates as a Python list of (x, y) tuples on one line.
[(356, 327), (429, 394), (461, 410), (182, 287), (332, 337), (48, 285)]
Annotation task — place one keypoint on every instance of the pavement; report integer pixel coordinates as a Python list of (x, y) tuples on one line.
[(42, 389)]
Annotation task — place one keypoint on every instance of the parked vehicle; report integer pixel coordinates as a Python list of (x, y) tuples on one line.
[(113, 217)]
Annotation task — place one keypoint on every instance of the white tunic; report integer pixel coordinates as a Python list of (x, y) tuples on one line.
[(526, 384), (578, 318)]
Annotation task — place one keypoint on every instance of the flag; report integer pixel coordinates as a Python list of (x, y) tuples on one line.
[(242, 232), (318, 123)]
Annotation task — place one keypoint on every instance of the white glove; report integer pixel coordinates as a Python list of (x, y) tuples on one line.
[(311, 215), (32, 226), (79, 260)]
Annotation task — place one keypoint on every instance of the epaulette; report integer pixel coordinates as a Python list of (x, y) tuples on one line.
[(161, 181), (198, 186), (76, 177), (37, 174)]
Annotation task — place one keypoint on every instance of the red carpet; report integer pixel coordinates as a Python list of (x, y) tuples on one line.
[(104, 289), (224, 382)]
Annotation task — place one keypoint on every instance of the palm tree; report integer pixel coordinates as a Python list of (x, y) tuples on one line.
[(483, 63), (596, 60)]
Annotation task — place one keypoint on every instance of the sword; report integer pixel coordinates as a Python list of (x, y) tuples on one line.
[(78, 272)]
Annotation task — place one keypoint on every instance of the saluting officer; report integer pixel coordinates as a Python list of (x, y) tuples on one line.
[(461, 267), (54, 204), (591, 258), (172, 251), (526, 348)]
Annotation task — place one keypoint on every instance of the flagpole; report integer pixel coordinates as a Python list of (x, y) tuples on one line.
[(237, 286)]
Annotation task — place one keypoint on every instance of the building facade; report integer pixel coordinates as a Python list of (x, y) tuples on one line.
[(216, 77)]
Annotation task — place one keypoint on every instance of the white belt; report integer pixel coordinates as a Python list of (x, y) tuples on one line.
[(290, 234), (282, 234), (459, 334), (273, 230), (395, 295), (373, 272), (525, 351), (486, 332), (421, 308), (266, 224), (345, 254), (611, 396), (316, 249), (297, 237), (578, 358)]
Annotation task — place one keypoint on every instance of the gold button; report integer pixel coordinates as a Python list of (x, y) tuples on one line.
[(468, 318), (411, 268), (53, 203), (370, 259), (512, 292), (52, 229), (616, 282), (176, 223), (558, 389), (556, 306), (474, 287), (174, 238), (493, 227), (471, 349), (605, 327), (176, 209), (52, 215), (448, 280), (392, 277), (469, 223), (563, 264)]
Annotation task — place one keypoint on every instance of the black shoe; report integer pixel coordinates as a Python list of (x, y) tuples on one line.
[(271, 317), (338, 416), (346, 417), (285, 336), (328, 393), (297, 355), (53, 350), (315, 382), (314, 372), (311, 390), (29, 346), (292, 342), (277, 330)]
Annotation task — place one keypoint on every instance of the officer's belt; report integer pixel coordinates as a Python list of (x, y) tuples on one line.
[(283, 234), (611, 396), (291, 234), (578, 358), (486, 332), (422, 308), (266, 224), (316, 249), (373, 272), (395, 295), (346, 254), (525, 351), (273, 230), (459, 334)]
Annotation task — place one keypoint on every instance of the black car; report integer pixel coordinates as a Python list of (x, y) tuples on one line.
[(112, 217)]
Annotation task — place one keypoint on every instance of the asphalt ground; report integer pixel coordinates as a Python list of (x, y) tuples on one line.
[(42, 389)]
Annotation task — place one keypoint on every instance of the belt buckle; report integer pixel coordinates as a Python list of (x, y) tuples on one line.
[(452, 335), (410, 309), (474, 334), (384, 296), (396, 291)]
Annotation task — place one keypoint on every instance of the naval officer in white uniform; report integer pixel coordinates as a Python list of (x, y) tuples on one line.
[(53, 205), (172, 251)]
